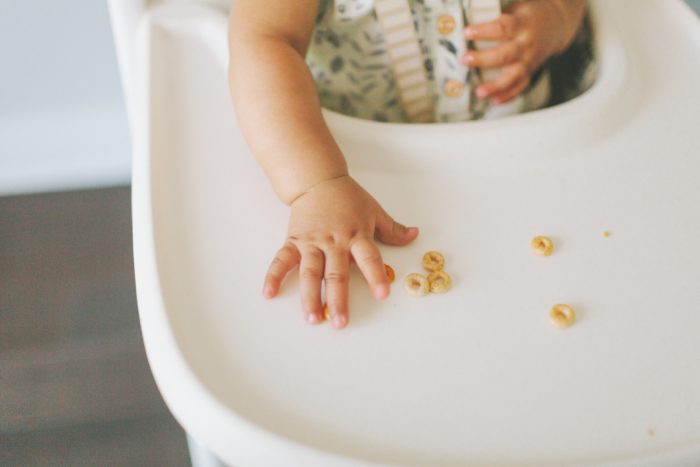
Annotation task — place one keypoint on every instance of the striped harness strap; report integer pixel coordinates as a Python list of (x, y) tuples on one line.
[(451, 97), (404, 51)]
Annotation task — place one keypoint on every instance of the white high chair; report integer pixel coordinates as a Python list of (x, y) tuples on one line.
[(476, 376)]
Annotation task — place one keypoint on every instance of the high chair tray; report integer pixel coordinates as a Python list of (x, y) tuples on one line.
[(477, 376)]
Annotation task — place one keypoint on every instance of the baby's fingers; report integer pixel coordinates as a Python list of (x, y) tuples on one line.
[(337, 277), (511, 93), (511, 76), (310, 277), (369, 260), (496, 57), (286, 258), (502, 28)]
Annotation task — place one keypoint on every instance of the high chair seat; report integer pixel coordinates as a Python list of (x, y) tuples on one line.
[(477, 376)]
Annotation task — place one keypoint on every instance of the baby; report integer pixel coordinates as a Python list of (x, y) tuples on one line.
[(281, 72)]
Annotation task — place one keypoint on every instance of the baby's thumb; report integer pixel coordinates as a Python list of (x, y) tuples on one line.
[(392, 233)]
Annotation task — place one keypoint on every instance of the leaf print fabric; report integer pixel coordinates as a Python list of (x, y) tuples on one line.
[(348, 59), (348, 10), (349, 62)]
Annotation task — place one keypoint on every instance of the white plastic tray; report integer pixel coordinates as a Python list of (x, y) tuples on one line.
[(475, 377)]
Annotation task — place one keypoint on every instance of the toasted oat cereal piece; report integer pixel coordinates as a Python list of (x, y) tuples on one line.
[(416, 285), (542, 245), (433, 261), (606, 234), (562, 316), (439, 281), (390, 273)]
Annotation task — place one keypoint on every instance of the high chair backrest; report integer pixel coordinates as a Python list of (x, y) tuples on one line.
[(125, 17)]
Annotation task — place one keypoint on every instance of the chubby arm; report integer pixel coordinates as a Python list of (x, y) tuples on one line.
[(332, 218), (275, 95), (530, 32)]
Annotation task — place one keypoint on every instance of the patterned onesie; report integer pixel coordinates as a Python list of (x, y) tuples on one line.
[(348, 58)]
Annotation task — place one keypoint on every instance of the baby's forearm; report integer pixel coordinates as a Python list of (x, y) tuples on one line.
[(279, 113)]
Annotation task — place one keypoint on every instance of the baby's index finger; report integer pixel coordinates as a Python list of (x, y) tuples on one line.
[(502, 28), (369, 260)]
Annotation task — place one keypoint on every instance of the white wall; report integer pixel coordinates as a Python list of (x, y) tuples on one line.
[(62, 119)]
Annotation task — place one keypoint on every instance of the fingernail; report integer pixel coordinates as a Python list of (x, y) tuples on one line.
[(481, 93), (469, 32), (468, 58), (312, 318), (339, 321), (267, 291), (412, 230), (381, 291)]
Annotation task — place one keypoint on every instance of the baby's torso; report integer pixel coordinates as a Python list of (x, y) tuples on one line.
[(349, 60)]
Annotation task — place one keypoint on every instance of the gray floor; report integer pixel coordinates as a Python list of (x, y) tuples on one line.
[(75, 388)]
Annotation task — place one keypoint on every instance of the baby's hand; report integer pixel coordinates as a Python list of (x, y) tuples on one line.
[(330, 223), (529, 33)]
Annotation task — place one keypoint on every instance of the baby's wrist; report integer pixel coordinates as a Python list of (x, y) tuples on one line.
[(315, 184)]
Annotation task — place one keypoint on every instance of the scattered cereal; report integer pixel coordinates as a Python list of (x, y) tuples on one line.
[(390, 273), (651, 432), (439, 281), (433, 261), (562, 315), (542, 245), (416, 285), (606, 234)]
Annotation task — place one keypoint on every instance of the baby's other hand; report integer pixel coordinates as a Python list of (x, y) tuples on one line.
[(528, 33), (331, 223)]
